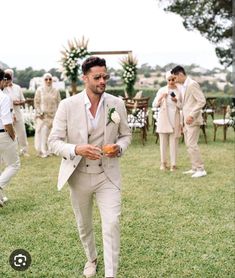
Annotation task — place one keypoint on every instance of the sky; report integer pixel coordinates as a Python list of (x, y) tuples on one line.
[(36, 30)]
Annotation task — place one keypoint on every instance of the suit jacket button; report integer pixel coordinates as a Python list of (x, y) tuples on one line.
[(87, 165), (74, 166), (100, 164)]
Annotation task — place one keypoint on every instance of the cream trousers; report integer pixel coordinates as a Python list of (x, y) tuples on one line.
[(21, 135), (84, 188), (191, 136), (41, 136), (10, 157), (165, 140)]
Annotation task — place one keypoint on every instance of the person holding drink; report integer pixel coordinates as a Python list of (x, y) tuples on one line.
[(90, 131)]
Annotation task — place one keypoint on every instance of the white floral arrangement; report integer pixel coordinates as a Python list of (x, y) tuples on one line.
[(29, 115), (113, 116), (72, 58), (129, 75)]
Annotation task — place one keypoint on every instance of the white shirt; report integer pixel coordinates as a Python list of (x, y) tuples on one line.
[(5, 110), (15, 93), (93, 121), (184, 86)]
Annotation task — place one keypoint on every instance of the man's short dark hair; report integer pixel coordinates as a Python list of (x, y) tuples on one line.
[(7, 76), (1, 74), (91, 62), (176, 70)]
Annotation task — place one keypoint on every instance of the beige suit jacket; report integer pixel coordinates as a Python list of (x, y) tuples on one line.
[(193, 102), (70, 129), (163, 122)]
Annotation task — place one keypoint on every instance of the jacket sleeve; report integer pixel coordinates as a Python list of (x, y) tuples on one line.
[(124, 132), (200, 100), (58, 135)]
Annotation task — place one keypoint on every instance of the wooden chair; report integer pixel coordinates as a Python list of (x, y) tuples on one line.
[(224, 123), (210, 107), (137, 110), (203, 125), (155, 112)]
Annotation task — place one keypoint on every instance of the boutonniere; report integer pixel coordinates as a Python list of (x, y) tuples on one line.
[(113, 116)]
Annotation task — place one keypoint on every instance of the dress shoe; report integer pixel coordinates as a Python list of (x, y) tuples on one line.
[(90, 269), (164, 166), (173, 168), (198, 174), (189, 172)]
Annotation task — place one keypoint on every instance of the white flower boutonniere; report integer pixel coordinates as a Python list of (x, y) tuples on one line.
[(113, 116)]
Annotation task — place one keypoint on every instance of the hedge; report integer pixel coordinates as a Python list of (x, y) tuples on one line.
[(221, 98)]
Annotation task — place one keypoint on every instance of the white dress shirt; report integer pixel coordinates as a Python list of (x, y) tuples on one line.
[(5, 110)]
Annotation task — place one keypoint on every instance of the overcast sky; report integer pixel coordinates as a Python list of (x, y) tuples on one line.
[(34, 31)]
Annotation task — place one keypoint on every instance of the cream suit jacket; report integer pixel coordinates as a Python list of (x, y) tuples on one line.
[(193, 102), (70, 129)]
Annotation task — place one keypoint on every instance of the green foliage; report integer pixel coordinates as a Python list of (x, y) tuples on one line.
[(212, 18)]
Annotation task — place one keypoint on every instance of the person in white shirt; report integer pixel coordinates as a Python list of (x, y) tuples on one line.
[(8, 144), (14, 91)]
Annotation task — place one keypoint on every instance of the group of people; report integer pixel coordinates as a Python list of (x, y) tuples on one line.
[(180, 103), (12, 124), (90, 132)]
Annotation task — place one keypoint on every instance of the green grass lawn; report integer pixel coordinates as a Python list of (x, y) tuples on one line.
[(171, 225)]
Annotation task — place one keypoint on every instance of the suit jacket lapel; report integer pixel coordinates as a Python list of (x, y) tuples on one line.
[(81, 117), (107, 128)]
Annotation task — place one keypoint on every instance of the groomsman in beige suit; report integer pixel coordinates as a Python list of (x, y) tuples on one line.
[(14, 91), (90, 131), (193, 100), (8, 144)]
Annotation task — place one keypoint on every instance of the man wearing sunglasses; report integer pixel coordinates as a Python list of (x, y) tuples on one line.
[(193, 100), (82, 125), (14, 91), (8, 145)]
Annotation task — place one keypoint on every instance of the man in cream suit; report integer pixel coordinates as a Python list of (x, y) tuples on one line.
[(193, 100), (83, 124), (8, 144)]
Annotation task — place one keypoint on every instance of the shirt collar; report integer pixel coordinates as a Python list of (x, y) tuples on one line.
[(88, 103), (186, 82)]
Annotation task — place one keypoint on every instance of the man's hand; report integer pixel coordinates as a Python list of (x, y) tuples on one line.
[(10, 130), (16, 102), (88, 151), (189, 120)]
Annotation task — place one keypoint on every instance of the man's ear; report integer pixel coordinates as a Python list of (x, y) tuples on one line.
[(84, 78)]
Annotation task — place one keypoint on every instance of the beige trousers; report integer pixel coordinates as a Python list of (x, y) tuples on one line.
[(165, 140), (42, 132), (21, 136), (83, 188), (191, 136), (10, 157)]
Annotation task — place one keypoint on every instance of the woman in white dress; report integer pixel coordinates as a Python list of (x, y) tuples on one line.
[(168, 99), (46, 102)]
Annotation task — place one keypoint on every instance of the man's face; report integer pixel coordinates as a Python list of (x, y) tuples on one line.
[(179, 78), (3, 84), (96, 79)]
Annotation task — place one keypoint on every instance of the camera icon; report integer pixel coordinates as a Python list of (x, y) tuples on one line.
[(20, 260)]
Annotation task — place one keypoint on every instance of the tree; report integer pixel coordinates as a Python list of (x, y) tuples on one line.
[(212, 18)]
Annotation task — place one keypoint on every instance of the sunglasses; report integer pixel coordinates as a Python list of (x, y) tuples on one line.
[(48, 79), (99, 76)]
